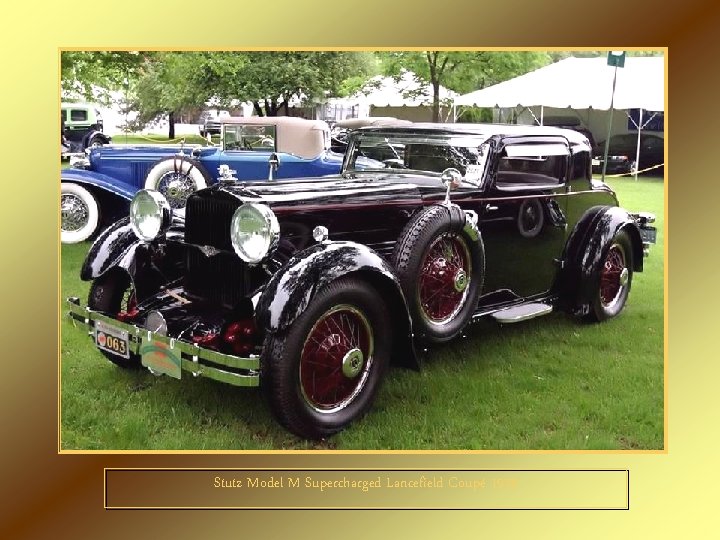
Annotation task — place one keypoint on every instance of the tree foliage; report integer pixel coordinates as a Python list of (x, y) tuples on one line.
[(271, 79), (92, 75), (461, 71)]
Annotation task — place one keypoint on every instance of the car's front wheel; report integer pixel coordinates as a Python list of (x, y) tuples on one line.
[(176, 177), (324, 371), (79, 213), (114, 293)]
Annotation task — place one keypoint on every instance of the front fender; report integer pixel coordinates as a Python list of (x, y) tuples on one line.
[(586, 249), (100, 181), (293, 287), (114, 247)]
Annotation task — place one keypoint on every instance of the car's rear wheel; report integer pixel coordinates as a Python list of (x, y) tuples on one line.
[(114, 293), (614, 278), (324, 371), (79, 213), (176, 177), (441, 268)]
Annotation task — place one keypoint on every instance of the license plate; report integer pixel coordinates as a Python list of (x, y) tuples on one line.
[(111, 339), (595, 162), (649, 234), (160, 358)]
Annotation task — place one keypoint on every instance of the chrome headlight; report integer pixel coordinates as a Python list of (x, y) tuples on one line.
[(150, 214), (254, 232)]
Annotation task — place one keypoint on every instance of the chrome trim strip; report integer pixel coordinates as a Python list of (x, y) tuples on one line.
[(88, 317)]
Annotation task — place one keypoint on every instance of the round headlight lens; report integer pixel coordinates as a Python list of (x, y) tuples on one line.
[(254, 232), (150, 214)]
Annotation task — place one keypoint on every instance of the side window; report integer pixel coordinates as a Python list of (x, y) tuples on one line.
[(580, 166), (533, 165), (247, 137), (78, 115)]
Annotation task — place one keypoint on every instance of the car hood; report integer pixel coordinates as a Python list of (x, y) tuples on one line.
[(302, 192)]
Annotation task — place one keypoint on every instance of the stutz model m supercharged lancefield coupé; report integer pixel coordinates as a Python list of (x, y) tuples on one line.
[(311, 288), (98, 188)]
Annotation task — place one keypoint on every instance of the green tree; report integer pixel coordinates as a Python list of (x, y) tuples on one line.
[(93, 74), (168, 84), (271, 79), (461, 71)]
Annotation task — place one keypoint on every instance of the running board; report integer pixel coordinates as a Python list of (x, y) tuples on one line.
[(523, 312)]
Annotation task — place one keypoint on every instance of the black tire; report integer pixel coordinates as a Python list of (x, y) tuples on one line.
[(110, 294), (176, 177), (612, 283), (427, 228), (297, 362)]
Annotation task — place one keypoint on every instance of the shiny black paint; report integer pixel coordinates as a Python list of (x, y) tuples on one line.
[(586, 250), (290, 290), (365, 214)]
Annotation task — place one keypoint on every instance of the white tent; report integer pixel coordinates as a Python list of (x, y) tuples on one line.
[(580, 83), (404, 97)]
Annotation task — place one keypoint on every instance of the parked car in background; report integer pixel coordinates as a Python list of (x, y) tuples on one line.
[(211, 122), (81, 126), (309, 288), (622, 152), (98, 189)]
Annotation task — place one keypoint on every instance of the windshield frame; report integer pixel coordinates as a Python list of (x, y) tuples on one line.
[(460, 139)]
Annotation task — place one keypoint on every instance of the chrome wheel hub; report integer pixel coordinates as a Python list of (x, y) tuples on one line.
[(75, 213), (352, 363), (460, 282), (176, 188), (624, 276)]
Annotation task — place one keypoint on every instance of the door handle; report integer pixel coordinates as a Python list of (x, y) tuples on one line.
[(490, 207)]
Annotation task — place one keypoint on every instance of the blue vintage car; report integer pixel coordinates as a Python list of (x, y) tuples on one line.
[(98, 188)]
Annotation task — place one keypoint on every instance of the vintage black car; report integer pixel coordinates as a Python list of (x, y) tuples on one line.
[(310, 288)]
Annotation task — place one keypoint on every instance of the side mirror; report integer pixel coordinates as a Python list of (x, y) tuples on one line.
[(274, 163)]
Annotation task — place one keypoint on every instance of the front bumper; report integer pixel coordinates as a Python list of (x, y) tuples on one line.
[(194, 359)]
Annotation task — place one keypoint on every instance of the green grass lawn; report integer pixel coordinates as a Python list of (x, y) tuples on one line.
[(549, 383)]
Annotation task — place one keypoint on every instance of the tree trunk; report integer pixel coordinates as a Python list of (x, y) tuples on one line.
[(258, 108), (171, 125), (436, 101)]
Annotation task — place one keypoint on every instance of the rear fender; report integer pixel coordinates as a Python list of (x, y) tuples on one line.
[(586, 248), (293, 287)]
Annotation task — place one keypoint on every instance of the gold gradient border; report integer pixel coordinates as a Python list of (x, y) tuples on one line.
[(45, 493)]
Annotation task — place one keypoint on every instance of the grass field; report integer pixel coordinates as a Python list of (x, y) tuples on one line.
[(549, 383)]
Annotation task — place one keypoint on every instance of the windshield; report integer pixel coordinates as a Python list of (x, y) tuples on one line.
[(424, 153)]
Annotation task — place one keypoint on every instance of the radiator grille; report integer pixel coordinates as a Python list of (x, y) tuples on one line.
[(207, 220), (222, 277)]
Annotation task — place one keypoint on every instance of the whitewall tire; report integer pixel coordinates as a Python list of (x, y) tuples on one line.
[(176, 178), (79, 213)]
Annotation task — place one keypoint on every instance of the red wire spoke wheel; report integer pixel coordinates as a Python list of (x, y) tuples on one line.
[(336, 359), (440, 263), (444, 278), (614, 277), (323, 371)]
